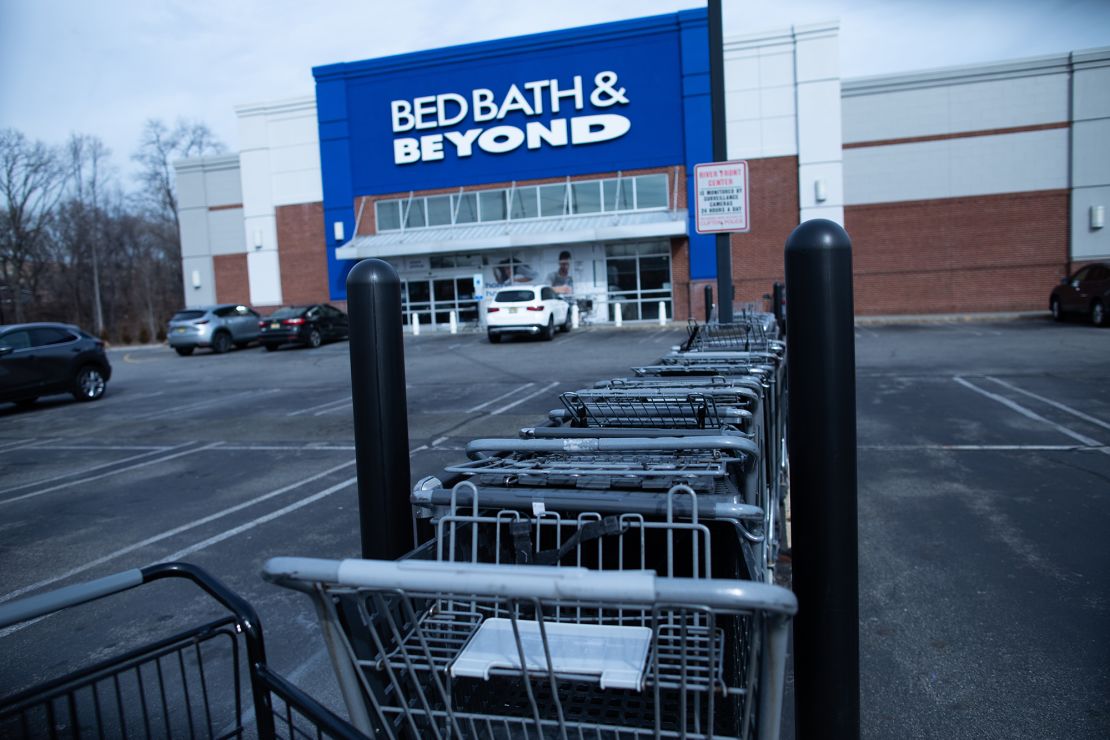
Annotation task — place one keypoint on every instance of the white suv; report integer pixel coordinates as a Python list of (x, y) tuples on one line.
[(527, 310)]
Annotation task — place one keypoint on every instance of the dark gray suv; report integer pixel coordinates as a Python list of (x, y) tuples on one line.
[(218, 327)]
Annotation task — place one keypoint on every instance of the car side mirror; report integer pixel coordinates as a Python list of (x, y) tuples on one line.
[(6, 350), (1064, 280)]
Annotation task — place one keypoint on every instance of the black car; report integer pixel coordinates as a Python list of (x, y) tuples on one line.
[(308, 325), (42, 359), (1087, 293)]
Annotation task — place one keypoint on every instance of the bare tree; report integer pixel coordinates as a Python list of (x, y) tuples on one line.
[(31, 183), (158, 149), (92, 179)]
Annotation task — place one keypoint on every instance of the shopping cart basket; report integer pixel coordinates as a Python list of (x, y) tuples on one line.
[(190, 683), (435, 649)]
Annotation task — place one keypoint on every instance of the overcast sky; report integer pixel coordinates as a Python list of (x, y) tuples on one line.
[(105, 66)]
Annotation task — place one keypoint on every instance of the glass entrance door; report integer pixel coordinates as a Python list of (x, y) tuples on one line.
[(434, 299)]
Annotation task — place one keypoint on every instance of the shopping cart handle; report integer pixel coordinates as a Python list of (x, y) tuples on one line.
[(78, 593)]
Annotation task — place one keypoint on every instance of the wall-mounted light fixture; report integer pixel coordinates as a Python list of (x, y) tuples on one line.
[(1098, 217), (819, 192), (258, 238), (196, 279), (337, 230)]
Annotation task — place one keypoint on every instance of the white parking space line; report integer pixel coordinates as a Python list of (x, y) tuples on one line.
[(155, 448), (1054, 404), (199, 405), (298, 412), (436, 442), (522, 399), (170, 533), (285, 448), (1030, 414), (228, 534), (453, 346), (336, 409), (235, 531), (85, 471), (481, 406), (90, 479), (21, 444)]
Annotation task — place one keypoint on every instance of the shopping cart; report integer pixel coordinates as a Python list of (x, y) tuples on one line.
[(189, 683), (464, 649), (747, 331)]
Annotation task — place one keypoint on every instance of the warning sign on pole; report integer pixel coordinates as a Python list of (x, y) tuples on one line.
[(722, 197)]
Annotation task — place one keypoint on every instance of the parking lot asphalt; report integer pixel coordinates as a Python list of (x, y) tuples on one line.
[(984, 502)]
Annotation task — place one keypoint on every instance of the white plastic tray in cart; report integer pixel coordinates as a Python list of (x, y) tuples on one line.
[(614, 653)]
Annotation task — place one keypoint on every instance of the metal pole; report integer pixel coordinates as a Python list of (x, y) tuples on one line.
[(720, 152), (381, 409), (821, 377), (778, 293), (708, 303)]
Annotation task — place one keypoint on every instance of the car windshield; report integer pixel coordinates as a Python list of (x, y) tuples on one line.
[(286, 313), (515, 296), (187, 315)]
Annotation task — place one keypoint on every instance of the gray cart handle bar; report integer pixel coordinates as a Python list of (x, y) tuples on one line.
[(478, 448), (530, 582)]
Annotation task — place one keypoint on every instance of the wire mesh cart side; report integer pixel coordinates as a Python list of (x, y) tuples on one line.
[(428, 649), (189, 683)]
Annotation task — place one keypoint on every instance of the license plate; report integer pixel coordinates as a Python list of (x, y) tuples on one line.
[(179, 330), (275, 325), (513, 310)]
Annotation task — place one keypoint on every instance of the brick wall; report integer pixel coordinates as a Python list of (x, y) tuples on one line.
[(757, 257), (302, 253), (986, 253), (232, 283)]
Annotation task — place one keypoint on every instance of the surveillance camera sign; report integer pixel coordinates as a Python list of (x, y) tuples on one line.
[(722, 197)]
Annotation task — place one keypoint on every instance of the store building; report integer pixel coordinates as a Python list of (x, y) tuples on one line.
[(571, 153)]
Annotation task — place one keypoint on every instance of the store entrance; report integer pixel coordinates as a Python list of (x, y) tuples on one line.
[(433, 299)]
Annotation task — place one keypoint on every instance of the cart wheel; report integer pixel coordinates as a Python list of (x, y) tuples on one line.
[(566, 324), (494, 337), (549, 330), (314, 339), (1054, 306)]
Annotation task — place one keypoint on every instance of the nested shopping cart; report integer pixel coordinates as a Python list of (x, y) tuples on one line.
[(476, 650), (659, 479), (747, 331), (208, 680)]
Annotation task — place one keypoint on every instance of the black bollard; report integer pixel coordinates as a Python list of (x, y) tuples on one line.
[(778, 293), (822, 444), (381, 410), (708, 303)]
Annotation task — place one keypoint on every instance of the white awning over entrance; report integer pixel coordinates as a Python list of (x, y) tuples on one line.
[(516, 234)]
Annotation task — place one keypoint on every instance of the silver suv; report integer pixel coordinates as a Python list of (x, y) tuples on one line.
[(217, 327)]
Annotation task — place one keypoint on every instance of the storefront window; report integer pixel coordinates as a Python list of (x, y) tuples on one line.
[(414, 213), (388, 214), (618, 194), (466, 208), (586, 197), (525, 204), (638, 277), (611, 195), (439, 210), (491, 205), (651, 191), (552, 199)]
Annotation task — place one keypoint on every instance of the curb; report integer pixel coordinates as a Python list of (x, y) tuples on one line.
[(951, 318)]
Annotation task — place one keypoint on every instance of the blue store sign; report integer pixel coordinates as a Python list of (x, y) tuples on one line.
[(617, 96)]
